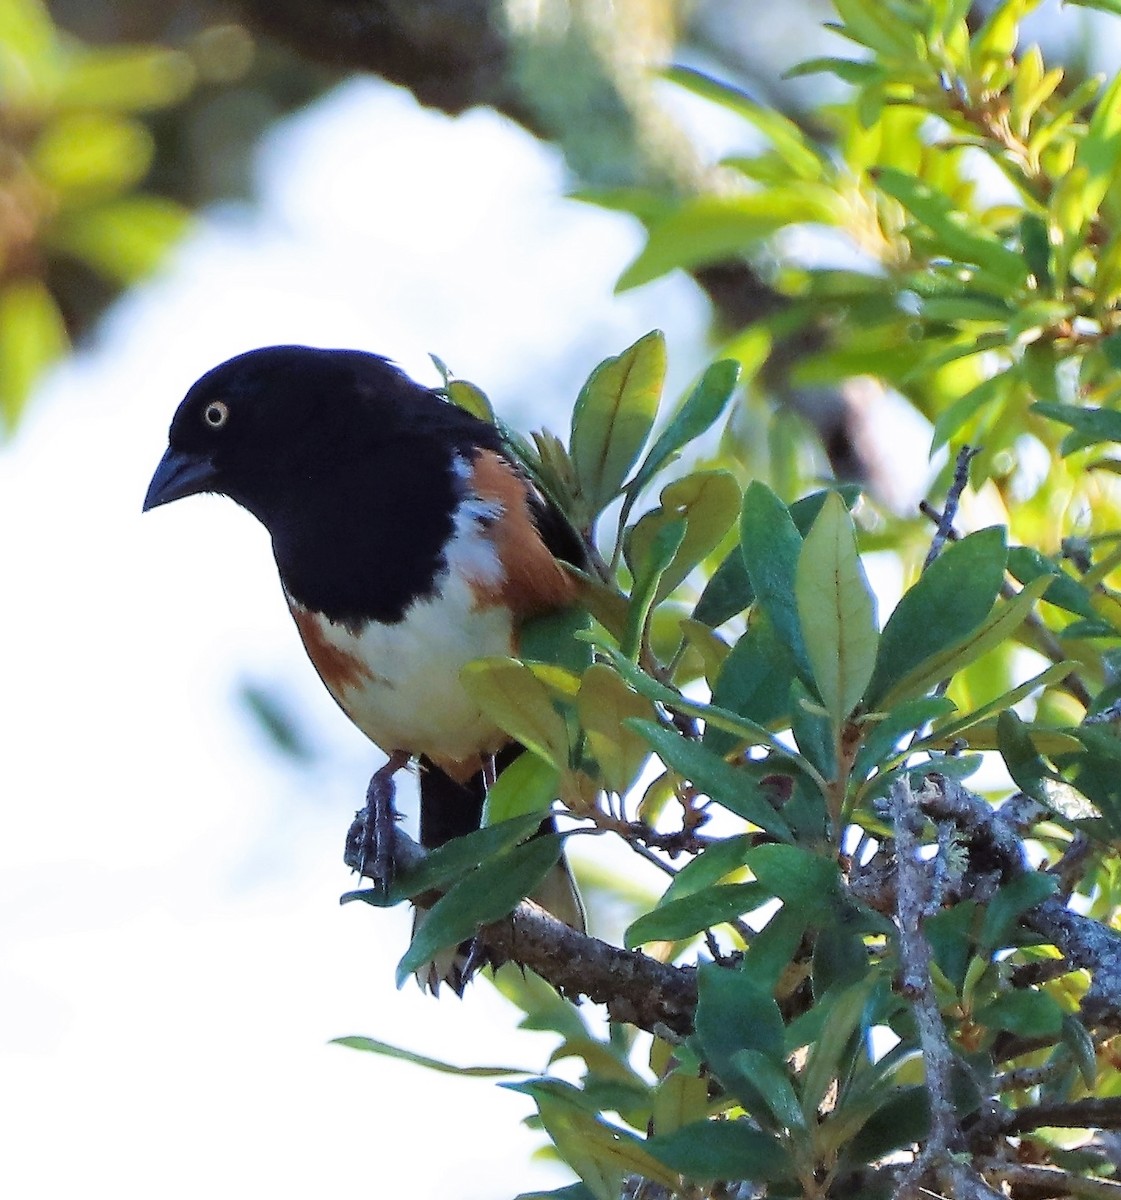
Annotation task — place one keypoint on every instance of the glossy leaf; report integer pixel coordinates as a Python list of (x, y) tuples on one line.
[(511, 694), (708, 502), (709, 1150), (528, 785), (1024, 891), (612, 419), (836, 611), (996, 629), (372, 1046), (701, 410), (605, 704), (487, 894), (715, 227), (802, 880), (678, 919), (947, 602), (733, 788), (771, 544), (1029, 1014), (716, 861)]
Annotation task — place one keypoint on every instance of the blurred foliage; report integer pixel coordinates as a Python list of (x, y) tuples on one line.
[(104, 151), (74, 150)]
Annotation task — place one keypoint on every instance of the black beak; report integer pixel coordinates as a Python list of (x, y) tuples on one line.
[(178, 475)]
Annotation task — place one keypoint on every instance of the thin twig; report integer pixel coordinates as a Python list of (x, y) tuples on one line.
[(953, 499), (1093, 1112), (1051, 1181)]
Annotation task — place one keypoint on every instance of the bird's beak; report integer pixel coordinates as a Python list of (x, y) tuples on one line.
[(179, 475)]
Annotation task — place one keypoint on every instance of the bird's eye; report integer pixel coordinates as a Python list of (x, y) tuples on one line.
[(216, 414)]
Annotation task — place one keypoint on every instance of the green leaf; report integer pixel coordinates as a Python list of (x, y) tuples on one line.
[(714, 228), (1028, 770), (612, 419), (659, 554), (881, 741), (995, 630), (510, 693), (679, 919), (1029, 1014), (1099, 152), (957, 237), (528, 785), (795, 150), (487, 894), (32, 336), (708, 1150), (708, 502), (802, 880), (947, 602), (773, 1084), (1025, 563), (734, 789), (554, 638), (902, 1120), (754, 682), (373, 1046), (716, 861), (600, 1153), (123, 239), (1091, 424), (92, 155), (701, 410), (836, 611), (574, 1191), (734, 1013), (729, 591), (771, 545), (605, 704), (828, 1057), (470, 398), (988, 391), (451, 860), (1014, 898)]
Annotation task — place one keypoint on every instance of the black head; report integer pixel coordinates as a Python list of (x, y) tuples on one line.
[(266, 424)]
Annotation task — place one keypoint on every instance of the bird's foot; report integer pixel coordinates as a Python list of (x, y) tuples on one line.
[(371, 838)]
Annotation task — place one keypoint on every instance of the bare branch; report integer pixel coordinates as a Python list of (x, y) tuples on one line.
[(914, 902)]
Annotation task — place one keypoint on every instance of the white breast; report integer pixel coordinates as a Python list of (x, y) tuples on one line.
[(400, 684)]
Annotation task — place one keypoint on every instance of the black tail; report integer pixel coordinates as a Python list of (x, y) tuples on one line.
[(449, 809)]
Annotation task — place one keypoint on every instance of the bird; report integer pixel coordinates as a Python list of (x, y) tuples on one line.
[(408, 542)]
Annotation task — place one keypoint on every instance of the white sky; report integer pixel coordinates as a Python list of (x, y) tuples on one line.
[(173, 959)]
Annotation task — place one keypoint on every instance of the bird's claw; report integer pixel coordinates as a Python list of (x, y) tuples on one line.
[(370, 842)]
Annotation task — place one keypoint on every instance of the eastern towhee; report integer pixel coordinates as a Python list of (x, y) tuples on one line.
[(408, 543)]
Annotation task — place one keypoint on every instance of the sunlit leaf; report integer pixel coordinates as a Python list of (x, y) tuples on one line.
[(612, 419), (836, 611)]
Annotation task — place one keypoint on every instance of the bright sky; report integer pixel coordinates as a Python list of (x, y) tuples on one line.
[(174, 960)]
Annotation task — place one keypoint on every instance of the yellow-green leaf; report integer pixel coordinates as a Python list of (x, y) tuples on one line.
[(612, 419), (510, 693), (836, 610), (604, 704), (32, 336), (708, 502)]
